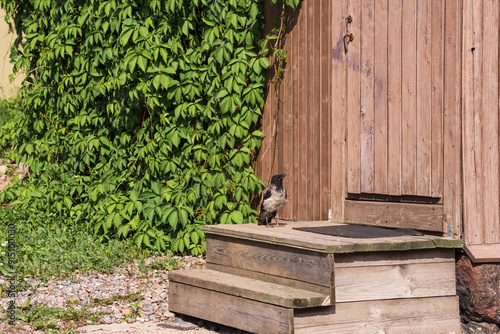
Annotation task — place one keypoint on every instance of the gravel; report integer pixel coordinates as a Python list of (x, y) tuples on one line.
[(125, 296)]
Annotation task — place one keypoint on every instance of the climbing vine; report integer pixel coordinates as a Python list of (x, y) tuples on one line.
[(277, 34), (140, 117)]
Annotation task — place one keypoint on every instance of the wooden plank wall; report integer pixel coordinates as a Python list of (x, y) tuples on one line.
[(395, 97), (383, 119), (481, 108), (297, 117)]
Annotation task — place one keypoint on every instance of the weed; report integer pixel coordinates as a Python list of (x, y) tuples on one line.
[(168, 264), (45, 318), (130, 297)]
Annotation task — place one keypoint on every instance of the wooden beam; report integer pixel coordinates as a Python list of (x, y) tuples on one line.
[(297, 264), (483, 253), (427, 217), (395, 281), (249, 288), (417, 315), (286, 236)]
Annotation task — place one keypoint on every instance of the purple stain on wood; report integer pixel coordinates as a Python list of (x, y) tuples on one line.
[(352, 63), (337, 50)]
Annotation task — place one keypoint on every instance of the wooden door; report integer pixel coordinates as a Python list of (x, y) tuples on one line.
[(395, 113)]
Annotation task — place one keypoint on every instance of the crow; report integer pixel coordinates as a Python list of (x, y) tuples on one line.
[(274, 199)]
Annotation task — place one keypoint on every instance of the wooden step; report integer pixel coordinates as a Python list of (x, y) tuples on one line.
[(234, 311), (244, 287), (284, 280), (297, 268)]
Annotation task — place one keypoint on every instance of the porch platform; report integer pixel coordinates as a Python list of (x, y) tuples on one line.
[(287, 235), (284, 280)]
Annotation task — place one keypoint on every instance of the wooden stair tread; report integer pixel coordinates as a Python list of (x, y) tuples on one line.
[(286, 235), (249, 288)]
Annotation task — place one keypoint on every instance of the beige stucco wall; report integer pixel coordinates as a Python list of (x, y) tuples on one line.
[(7, 89)]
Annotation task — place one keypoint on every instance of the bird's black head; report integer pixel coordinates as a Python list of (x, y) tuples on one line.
[(278, 179)]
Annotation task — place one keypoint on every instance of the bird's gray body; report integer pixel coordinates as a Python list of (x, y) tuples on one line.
[(274, 199)]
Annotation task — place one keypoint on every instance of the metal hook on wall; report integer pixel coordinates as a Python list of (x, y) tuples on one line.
[(348, 37)]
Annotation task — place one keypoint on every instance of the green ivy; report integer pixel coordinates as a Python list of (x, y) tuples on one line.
[(140, 116)]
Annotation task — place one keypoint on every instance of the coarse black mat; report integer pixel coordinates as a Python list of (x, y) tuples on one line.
[(359, 231)]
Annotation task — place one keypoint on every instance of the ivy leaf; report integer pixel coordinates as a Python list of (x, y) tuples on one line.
[(264, 62), (68, 202), (142, 62), (172, 219), (132, 62), (183, 217), (164, 81), (156, 187), (175, 139), (236, 217), (125, 36)]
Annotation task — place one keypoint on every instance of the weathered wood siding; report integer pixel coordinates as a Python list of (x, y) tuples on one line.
[(481, 108), (380, 124), (297, 117)]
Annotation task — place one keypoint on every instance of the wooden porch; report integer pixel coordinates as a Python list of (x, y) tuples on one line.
[(286, 280)]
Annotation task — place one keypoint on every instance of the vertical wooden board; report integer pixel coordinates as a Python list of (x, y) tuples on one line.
[(294, 178), (490, 122), (380, 92), (314, 147), (468, 131), (303, 112), (406, 316), (452, 122), (338, 121), (474, 226), (325, 71), (229, 310), (286, 132), (437, 58), (409, 98), (424, 86), (353, 100), (394, 106), (307, 200), (367, 96)]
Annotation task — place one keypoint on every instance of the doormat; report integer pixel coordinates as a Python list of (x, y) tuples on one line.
[(359, 231)]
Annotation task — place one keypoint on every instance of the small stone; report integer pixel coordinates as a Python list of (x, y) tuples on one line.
[(179, 324), (126, 311), (148, 309), (107, 319), (483, 328), (168, 314)]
